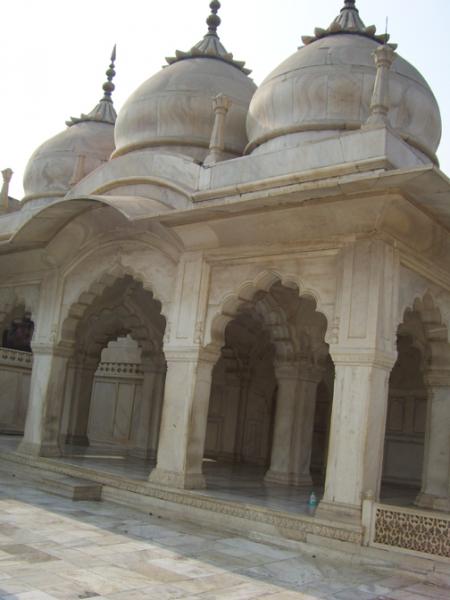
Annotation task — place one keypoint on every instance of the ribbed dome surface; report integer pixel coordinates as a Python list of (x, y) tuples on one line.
[(328, 84), (66, 158), (173, 110)]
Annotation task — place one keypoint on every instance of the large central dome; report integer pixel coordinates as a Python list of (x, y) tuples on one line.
[(173, 110), (327, 86)]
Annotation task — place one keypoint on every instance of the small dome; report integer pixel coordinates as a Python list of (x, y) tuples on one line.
[(328, 84), (173, 110), (65, 159)]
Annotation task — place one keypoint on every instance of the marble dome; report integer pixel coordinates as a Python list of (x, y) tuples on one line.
[(173, 110), (66, 158), (63, 160), (327, 85)]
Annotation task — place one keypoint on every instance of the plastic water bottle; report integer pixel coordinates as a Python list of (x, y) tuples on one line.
[(312, 502)]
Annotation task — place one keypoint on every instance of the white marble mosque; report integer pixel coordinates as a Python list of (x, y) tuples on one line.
[(230, 286)]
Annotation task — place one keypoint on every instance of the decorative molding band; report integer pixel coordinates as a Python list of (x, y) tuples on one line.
[(16, 358), (191, 354), (362, 357), (412, 530)]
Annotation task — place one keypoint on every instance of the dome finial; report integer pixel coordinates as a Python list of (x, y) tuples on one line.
[(348, 21), (213, 21), (108, 86), (104, 111), (210, 46)]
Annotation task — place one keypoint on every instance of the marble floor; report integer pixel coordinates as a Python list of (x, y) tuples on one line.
[(239, 483), (53, 548)]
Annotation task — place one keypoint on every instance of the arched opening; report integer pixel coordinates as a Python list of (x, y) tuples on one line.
[(242, 402), (116, 373), (417, 447), (17, 328), (116, 394), (405, 422), (273, 376)]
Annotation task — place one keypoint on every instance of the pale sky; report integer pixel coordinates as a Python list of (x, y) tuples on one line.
[(54, 53)]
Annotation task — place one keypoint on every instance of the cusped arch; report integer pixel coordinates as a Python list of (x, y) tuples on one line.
[(111, 323), (272, 314), (429, 333), (93, 292)]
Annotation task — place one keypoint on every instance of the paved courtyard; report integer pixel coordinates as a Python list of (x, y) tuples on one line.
[(51, 548)]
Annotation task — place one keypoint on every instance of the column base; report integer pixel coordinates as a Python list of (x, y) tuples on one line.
[(44, 450), (182, 481), (347, 513), (77, 440), (433, 502), (291, 479)]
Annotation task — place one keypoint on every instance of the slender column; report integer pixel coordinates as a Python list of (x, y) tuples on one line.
[(147, 430), (244, 385), (435, 492), (81, 402), (231, 407), (294, 424), (380, 104), (7, 175), (41, 437), (308, 382), (157, 406), (184, 418), (358, 422), (221, 106)]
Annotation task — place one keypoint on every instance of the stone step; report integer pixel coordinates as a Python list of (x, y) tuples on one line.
[(70, 487)]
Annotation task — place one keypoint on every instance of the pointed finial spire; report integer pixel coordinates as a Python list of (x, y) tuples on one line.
[(104, 112), (213, 21), (108, 86), (6, 174), (210, 46), (348, 21)]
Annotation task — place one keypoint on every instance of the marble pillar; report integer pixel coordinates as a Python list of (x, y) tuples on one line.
[(435, 491), (145, 442), (83, 381), (294, 424), (244, 385), (41, 437), (184, 418), (363, 348), (358, 422)]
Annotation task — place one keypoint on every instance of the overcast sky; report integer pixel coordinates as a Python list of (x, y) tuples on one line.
[(54, 53)]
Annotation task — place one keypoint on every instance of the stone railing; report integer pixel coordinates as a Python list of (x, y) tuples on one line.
[(16, 358), (409, 530), (15, 375), (114, 370)]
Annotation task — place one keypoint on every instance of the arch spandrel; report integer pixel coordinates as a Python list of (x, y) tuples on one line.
[(89, 275)]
